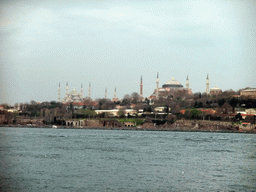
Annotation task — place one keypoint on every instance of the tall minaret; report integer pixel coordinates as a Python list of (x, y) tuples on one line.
[(89, 94), (207, 85), (141, 88), (187, 83), (82, 90), (115, 93), (59, 93), (115, 98), (106, 93), (66, 89), (157, 83)]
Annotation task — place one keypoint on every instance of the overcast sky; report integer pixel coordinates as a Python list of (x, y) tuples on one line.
[(112, 43)]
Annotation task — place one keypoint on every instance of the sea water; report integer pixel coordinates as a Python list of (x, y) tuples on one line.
[(40, 159)]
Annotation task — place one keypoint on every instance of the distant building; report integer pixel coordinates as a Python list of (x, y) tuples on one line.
[(246, 127), (207, 84), (73, 96), (171, 89), (141, 89), (114, 112), (115, 99), (215, 91), (250, 111), (248, 92)]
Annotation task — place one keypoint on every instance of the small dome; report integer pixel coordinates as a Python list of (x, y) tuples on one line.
[(215, 88)]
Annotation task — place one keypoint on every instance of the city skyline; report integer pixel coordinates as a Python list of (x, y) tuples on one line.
[(111, 44), (85, 93)]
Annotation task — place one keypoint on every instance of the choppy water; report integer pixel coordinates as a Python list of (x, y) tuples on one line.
[(113, 160)]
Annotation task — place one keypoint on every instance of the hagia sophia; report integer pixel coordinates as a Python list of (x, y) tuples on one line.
[(171, 88)]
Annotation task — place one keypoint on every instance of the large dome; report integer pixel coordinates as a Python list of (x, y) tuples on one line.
[(74, 93), (215, 88), (172, 84), (73, 96)]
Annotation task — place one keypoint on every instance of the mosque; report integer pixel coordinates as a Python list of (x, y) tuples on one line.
[(73, 96), (174, 88), (170, 88)]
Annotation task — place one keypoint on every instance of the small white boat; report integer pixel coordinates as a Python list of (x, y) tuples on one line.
[(54, 127)]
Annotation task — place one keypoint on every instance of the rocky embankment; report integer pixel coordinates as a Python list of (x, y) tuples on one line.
[(180, 125)]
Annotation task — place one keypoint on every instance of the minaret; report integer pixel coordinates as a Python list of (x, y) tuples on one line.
[(106, 93), (115, 98), (89, 95), (115, 93), (81, 90), (207, 85), (66, 89), (59, 93), (157, 83), (141, 88), (187, 83)]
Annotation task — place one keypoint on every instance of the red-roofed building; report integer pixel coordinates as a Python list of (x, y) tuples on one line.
[(247, 115), (183, 111), (246, 127), (206, 111)]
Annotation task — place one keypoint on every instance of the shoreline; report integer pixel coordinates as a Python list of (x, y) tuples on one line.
[(131, 129)]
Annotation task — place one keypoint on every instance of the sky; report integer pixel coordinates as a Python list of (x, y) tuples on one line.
[(112, 43)]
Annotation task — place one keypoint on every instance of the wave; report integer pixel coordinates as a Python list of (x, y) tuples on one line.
[(221, 150)]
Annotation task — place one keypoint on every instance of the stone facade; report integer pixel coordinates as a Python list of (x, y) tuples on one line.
[(248, 93), (250, 111), (246, 127), (215, 91)]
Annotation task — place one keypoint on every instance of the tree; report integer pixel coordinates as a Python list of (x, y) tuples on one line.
[(226, 108), (139, 106), (196, 104), (177, 109), (71, 108), (202, 115), (194, 113), (239, 117), (221, 102), (147, 108), (127, 100), (88, 103), (208, 103), (228, 93), (172, 104), (5, 106), (197, 95), (135, 97), (171, 118), (105, 104), (189, 103), (121, 112), (187, 113), (87, 112), (200, 105), (233, 102)]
